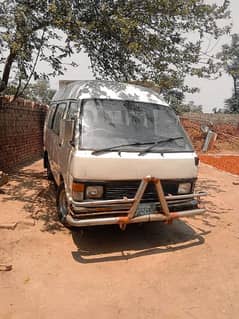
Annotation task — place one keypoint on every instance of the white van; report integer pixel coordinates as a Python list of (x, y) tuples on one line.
[(118, 155)]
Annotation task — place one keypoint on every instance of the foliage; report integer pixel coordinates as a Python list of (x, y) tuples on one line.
[(188, 107), (124, 39), (232, 104), (28, 35), (39, 91), (175, 99), (149, 39), (194, 107), (230, 57)]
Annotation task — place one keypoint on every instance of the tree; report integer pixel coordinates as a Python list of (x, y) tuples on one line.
[(232, 104), (125, 39), (27, 36), (175, 98), (194, 107), (230, 58), (39, 91)]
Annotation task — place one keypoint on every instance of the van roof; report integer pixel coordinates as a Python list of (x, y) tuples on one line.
[(106, 90)]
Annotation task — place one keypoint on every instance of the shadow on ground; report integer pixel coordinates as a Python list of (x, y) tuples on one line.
[(33, 190), (37, 195), (213, 211), (109, 243)]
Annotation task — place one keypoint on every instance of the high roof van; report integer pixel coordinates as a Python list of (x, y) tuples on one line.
[(118, 155)]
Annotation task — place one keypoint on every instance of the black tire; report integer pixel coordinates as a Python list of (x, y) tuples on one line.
[(48, 171), (61, 204)]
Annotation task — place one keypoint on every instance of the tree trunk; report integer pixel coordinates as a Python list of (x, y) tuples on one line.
[(235, 86), (6, 71)]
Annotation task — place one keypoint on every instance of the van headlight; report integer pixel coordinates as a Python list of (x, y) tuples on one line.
[(184, 188), (78, 191), (94, 192)]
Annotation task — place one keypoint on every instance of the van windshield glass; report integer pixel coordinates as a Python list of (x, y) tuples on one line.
[(108, 123)]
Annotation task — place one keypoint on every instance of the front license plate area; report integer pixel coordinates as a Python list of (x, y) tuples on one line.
[(145, 209)]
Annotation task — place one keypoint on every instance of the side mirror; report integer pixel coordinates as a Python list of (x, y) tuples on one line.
[(66, 131)]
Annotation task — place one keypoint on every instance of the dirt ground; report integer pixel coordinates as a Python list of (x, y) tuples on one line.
[(228, 163), (189, 269), (227, 136)]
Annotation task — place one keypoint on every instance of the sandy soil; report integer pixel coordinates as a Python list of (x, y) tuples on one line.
[(227, 136), (186, 270), (228, 163)]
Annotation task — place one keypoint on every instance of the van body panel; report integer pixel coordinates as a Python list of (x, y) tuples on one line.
[(128, 166), (80, 90)]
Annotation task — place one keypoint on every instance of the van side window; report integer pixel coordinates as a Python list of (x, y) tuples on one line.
[(58, 116), (51, 115), (72, 111)]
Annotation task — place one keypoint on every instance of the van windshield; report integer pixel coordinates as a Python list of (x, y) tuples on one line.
[(108, 123)]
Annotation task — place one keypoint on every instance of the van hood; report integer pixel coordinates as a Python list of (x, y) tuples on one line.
[(131, 166)]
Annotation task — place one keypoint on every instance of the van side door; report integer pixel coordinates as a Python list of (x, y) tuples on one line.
[(55, 140), (48, 130), (66, 148)]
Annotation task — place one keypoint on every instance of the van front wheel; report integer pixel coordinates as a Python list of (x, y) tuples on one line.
[(61, 203)]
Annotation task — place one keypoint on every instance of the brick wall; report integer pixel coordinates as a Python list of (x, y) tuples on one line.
[(21, 131), (204, 118)]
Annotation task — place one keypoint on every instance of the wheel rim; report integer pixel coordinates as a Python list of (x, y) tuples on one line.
[(63, 204)]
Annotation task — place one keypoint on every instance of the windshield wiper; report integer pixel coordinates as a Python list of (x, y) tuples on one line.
[(111, 148), (156, 143)]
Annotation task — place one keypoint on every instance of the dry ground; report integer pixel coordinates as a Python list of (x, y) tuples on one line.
[(186, 270)]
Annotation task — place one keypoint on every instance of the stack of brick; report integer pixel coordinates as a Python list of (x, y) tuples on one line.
[(21, 131), (213, 119)]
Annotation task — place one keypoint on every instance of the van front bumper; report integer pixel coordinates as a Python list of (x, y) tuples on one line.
[(132, 210)]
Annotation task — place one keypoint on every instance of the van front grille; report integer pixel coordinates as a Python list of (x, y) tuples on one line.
[(120, 189)]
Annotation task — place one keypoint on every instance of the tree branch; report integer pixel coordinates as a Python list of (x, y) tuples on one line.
[(6, 71), (18, 88), (33, 68)]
